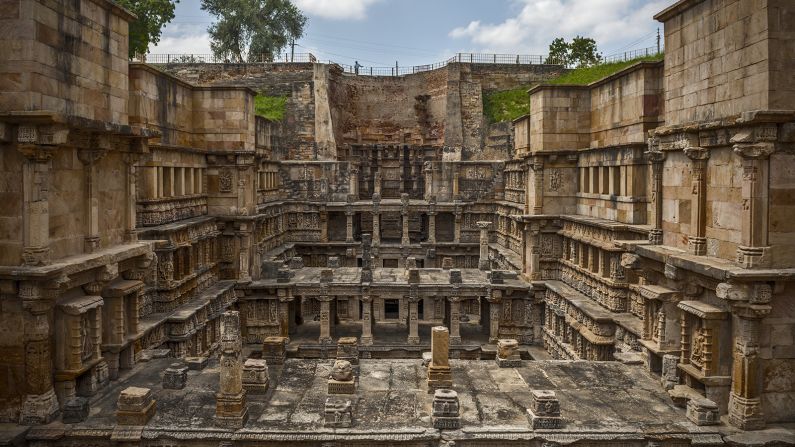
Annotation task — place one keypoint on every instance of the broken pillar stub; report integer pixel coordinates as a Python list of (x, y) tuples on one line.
[(414, 276), (702, 411), (135, 406), (255, 376), (296, 262), (348, 349), (333, 262), (411, 263), (455, 276), (508, 353), (283, 275), (496, 277), (670, 371), (342, 380), (274, 350), (446, 410), (544, 412), (338, 412), (326, 275), (439, 374), (75, 410), (196, 363), (175, 377)]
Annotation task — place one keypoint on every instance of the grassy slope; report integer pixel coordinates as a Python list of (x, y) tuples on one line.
[(508, 105), (270, 107)]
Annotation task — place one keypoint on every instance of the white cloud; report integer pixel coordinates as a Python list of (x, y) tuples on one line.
[(336, 9), (612, 23), (178, 38)]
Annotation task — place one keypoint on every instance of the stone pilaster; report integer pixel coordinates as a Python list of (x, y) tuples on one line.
[(533, 261), (696, 240), (130, 190), (404, 211), (376, 219), (230, 409), (99, 145), (414, 337), (432, 220), (536, 194), (458, 215), (349, 224), (325, 317), (41, 404), (36, 208), (756, 170), (455, 319), (483, 262), (495, 312), (323, 224), (656, 159), (285, 297), (244, 234), (367, 320)]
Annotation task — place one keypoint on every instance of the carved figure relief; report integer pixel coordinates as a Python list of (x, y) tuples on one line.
[(225, 180), (697, 348), (555, 179)]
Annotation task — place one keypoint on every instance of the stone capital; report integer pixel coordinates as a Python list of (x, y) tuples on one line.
[(696, 153), (754, 151), (36, 153), (656, 156), (483, 225)]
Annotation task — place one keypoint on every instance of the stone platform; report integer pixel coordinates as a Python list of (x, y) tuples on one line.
[(598, 401)]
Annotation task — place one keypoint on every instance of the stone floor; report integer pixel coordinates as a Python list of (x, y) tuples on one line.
[(598, 400)]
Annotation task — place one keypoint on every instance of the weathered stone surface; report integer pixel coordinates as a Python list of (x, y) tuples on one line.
[(337, 413), (175, 377), (255, 376), (135, 406), (75, 410), (446, 409)]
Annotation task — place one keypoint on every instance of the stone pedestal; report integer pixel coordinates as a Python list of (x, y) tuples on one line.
[(231, 410), (670, 374), (508, 354), (75, 410), (439, 375), (342, 380), (338, 413), (545, 410), (702, 411), (175, 377), (255, 376), (348, 350), (446, 409), (274, 350), (135, 406), (196, 363)]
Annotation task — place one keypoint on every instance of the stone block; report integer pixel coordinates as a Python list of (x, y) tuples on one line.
[(508, 353), (231, 410), (439, 374), (175, 377), (135, 406), (342, 380), (670, 372), (455, 276), (326, 275), (338, 412), (348, 349), (333, 262), (411, 263), (426, 358), (446, 409), (75, 410), (196, 363), (341, 386), (414, 276), (274, 350), (283, 275), (701, 411), (447, 263), (544, 412), (496, 277), (255, 376)]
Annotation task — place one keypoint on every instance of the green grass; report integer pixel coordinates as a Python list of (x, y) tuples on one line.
[(584, 76), (270, 107), (506, 105)]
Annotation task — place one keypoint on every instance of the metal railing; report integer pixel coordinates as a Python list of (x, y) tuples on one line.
[(396, 70)]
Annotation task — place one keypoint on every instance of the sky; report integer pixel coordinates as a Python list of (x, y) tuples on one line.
[(416, 32)]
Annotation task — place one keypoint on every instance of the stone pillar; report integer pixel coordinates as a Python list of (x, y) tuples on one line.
[(36, 211), (696, 240), (457, 228), (323, 224), (534, 251), (656, 158), (41, 404), (427, 169), (483, 262), (432, 220), (89, 157), (404, 199), (745, 403), (376, 219), (439, 375), (752, 252), (367, 320), (495, 311), (285, 297), (130, 190), (353, 182), (230, 409), (325, 318), (414, 337), (537, 192), (455, 319), (349, 226), (244, 234)]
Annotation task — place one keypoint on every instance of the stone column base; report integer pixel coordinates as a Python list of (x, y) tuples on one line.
[(341, 387), (513, 361), (366, 341), (439, 377), (413, 340), (39, 409), (745, 414), (231, 411)]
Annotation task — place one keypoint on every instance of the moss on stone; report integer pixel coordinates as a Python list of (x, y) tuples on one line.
[(270, 107)]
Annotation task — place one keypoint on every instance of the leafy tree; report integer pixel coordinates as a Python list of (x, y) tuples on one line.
[(247, 29), (152, 15), (584, 52), (558, 52), (580, 52)]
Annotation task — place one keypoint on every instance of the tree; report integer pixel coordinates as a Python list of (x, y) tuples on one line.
[(580, 52), (558, 52), (247, 29), (152, 15), (584, 52)]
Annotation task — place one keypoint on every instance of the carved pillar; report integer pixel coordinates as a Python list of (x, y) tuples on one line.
[(230, 409), (537, 193), (458, 214), (285, 297), (130, 160), (323, 224), (456, 175), (432, 219), (41, 404), (495, 312), (455, 319), (376, 219), (427, 168), (756, 166), (534, 250), (414, 337), (483, 262), (367, 320), (745, 404), (656, 159), (349, 224), (36, 211), (325, 318), (404, 211), (244, 234), (353, 182), (89, 157), (697, 241)]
